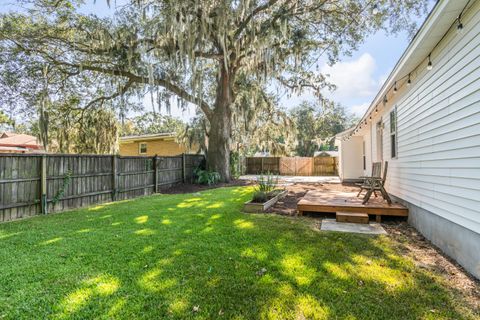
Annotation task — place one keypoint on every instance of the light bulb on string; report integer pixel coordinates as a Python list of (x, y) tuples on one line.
[(409, 82), (375, 9), (459, 25), (395, 88), (429, 65)]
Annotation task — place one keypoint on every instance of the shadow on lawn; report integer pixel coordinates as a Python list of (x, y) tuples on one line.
[(163, 255)]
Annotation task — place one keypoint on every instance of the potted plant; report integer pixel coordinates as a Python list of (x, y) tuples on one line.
[(266, 194)]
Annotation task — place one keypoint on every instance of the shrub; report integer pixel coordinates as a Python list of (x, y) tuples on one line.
[(260, 197), (206, 177), (267, 184)]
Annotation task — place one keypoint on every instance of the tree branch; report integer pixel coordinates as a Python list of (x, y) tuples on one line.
[(177, 90), (182, 93), (120, 92), (249, 18)]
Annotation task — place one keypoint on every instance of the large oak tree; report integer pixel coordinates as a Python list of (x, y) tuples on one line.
[(196, 50)]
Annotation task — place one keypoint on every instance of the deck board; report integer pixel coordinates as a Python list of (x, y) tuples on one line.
[(345, 201)]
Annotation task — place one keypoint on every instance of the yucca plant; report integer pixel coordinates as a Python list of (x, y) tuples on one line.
[(267, 183)]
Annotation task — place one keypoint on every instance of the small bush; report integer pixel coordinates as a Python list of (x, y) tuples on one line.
[(266, 188), (267, 184), (206, 177), (260, 197)]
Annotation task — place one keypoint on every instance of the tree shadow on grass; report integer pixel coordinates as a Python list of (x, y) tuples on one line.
[(159, 257)]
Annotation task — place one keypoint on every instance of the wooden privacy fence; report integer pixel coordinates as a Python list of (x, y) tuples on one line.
[(293, 166), (36, 184)]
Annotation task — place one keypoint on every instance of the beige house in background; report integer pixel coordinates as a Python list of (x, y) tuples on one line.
[(161, 144)]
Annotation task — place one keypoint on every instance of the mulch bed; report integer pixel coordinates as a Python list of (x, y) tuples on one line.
[(427, 256), (191, 188)]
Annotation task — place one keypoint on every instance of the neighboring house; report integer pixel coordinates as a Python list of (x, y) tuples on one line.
[(161, 144), (19, 143), (425, 121)]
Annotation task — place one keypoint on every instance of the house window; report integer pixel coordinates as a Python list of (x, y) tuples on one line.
[(142, 148), (393, 133)]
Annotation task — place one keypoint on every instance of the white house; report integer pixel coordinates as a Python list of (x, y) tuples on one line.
[(425, 121)]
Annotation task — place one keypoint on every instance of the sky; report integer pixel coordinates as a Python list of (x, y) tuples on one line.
[(357, 77)]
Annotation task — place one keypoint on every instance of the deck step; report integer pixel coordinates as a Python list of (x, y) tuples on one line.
[(352, 217)]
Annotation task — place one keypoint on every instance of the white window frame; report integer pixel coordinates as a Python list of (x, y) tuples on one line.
[(140, 148), (394, 133), (364, 155)]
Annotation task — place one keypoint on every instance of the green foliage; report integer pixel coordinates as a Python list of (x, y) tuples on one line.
[(235, 164), (317, 125), (260, 197), (151, 123), (266, 127), (266, 183), (203, 54), (5, 120), (206, 176), (195, 134), (65, 182), (266, 188), (72, 131), (158, 257)]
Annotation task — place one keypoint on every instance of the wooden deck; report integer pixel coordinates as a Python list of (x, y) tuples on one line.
[(344, 201)]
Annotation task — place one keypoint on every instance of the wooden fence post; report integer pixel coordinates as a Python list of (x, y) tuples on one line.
[(184, 168), (114, 176), (43, 185), (155, 177), (261, 170)]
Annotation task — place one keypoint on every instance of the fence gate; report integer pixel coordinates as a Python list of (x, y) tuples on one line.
[(293, 166), (325, 166)]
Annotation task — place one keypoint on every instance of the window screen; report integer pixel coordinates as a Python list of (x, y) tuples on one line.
[(393, 133)]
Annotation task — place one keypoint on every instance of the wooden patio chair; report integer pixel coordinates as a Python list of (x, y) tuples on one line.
[(376, 173), (377, 184)]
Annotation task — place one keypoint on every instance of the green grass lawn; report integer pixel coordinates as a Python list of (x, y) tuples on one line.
[(162, 256)]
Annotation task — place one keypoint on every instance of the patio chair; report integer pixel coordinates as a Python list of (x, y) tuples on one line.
[(376, 173), (377, 184)]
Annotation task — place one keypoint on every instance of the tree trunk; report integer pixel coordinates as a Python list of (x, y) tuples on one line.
[(218, 155)]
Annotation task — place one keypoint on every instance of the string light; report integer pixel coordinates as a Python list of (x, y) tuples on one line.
[(460, 24)]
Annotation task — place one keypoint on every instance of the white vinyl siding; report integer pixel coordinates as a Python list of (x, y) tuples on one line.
[(438, 124)]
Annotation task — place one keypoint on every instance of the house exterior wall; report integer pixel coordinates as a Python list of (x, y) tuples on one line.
[(350, 159), (438, 164), (161, 147), (437, 170)]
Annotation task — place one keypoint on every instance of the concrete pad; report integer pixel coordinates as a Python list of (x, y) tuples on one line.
[(296, 179), (371, 228)]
